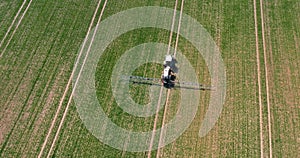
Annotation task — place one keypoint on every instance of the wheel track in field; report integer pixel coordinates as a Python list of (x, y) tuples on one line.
[(161, 89), (15, 89), (27, 101), (68, 85), (259, 82), (17, 26), (39, 115), (1, 53), (266, 76), (163, 123), (27, 97), (76, 81), (168, 93), (15, 18), (266, 79), (139, 99)]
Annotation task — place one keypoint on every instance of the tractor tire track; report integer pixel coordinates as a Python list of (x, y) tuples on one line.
[(155, 122), (49, 89), (18, 24), (266, 76), (68, 85), (168, 93), (161, 89), (259, 82), (13, 22), (27, 96), (27, 101), (172, 27), (13, 91), (76, 81), (178, 29), (163, 123)]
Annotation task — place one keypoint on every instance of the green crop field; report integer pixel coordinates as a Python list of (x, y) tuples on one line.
[(259, 41)]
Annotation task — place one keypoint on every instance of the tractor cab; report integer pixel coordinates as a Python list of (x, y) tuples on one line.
[(168, 76)]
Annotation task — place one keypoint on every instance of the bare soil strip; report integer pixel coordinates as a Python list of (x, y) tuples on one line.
[(168, 94), (69, 82), (161, 89), (15, 18), (18, 24), (259, 84), (266, 75)]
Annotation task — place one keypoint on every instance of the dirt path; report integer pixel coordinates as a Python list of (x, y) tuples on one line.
[(161, 89), (68, 86), (266, 76), (259, 83), (18, 24)]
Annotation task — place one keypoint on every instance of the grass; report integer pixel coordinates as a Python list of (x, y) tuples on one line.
[(39, 60)]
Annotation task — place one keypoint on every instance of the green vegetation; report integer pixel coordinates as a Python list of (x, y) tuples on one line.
[(35, 68)]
